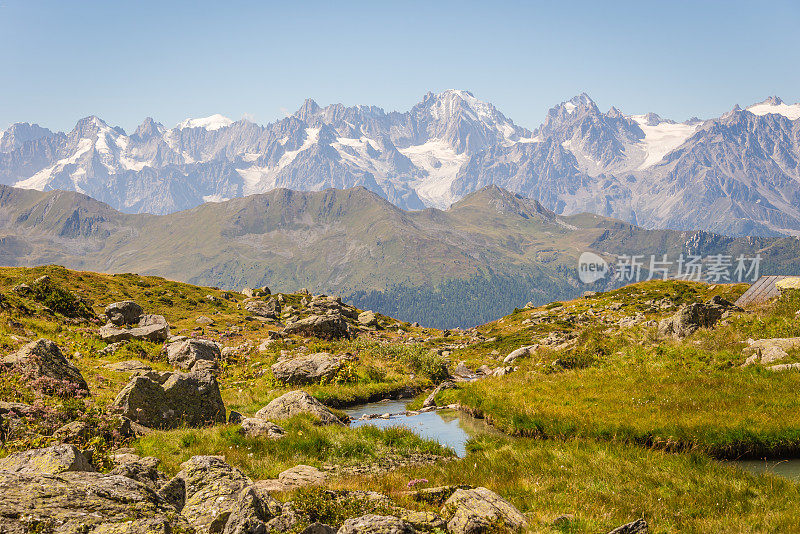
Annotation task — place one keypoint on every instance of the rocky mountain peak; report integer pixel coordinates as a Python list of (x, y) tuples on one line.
[(307, 110), (149, 129), (20, 133)]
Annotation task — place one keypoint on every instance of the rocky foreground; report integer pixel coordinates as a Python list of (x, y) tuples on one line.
[(254, 374)]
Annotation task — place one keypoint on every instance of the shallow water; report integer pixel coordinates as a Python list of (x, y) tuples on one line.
[(451, 428), (786, 468)]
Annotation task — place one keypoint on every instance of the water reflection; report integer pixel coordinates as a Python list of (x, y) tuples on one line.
[(451, 428), (786, 468)]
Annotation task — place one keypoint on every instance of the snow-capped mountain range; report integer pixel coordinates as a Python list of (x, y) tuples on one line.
[(737, 174)]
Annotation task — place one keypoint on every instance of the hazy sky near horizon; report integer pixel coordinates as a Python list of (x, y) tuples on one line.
[(123, 61)]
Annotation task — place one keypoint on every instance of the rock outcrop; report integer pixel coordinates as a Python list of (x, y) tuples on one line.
[(691, 317), (269, 309), (212, 492), (185, 353), (295, 403), (42, 359), (376, 524), (169, 400), (152, 328), (307, 369), (126, 312), (47, 461)]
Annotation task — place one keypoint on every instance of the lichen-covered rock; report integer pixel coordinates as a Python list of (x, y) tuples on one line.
[(269, 309), (472, 511), (331, 326), (42, 359), (73, 502), (144, 470), (309, 369), (368, 318), (212, 492), (185, 353), (252, 510), (153, 328), (169, 400), (294, 403), (255, 427), (376, 524), (124, 312), (424, 521), (300, 476), (635, 527), (691, 317), (46, 461)]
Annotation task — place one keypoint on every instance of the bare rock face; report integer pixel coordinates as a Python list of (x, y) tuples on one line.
[(43, 359), (472, 511), (332, 326), (71, 502), (307, 369), (152, 328), (691, 317), (294, 403), (185, 354), (376, 524), (126, 312), (169, 400), (48, 461)]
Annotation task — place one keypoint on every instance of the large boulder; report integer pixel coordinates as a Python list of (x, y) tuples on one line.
[(269, 309), (295, 403), (472, 511), (170, 400), (46, 461), (376, 524), (252, 511), (368, 318), (767, 351), (307, 369), (332, 326), (185, 353), (212, 492), (73, 502), (126, 312), (691, 317), (152, 328), (144, 470), (42, 359)]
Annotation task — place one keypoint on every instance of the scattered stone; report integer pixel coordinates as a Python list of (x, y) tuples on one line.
[(307, 369), (464, 373), (767, 351), (376, 524), (368, 318), (204, 320), (83, 502), (71, 432), (129, 366), (477, 510), (22, 289), (48, 461), (520, 353), (294, 403), (255, 427), (269, 309), (153, 328), (301, 475), (252, 510), (322, 326), (126, 312), (438, 495), (563, 521), (318, 528), (186, 353), (235, 418), (430, 400), (111, 348), (43, 359), (169, 400), (636, 527), (784, 367)]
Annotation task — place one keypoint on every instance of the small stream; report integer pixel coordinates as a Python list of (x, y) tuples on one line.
[(786, 468), (451, 428)]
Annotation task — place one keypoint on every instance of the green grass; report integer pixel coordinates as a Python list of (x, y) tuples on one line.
[(305, 443), (605, 485)]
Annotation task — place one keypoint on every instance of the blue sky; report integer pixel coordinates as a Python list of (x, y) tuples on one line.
[(124, 61)]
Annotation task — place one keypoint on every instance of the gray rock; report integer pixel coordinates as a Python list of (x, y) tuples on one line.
[(331, 326), (376, 524), (368, 318), (255, 427), (294, 403), (169, 400), (153, 328), (430, 400), (46, 461), (309, 369), (212, 492), (253, 509), (636, 527), (43, 359), (122, 313), (318, 528), (691, 317), (129, 366), (301, 475), (144, 470), (520, 353), (476, 510), (767, 351), (73, 502), (269, 309), (185, 354)]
